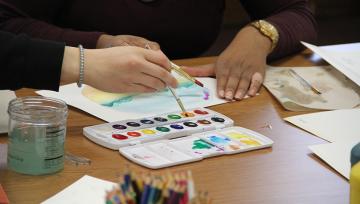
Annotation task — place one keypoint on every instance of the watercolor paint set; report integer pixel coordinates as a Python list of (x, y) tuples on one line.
[(165, 126), (176, 138)]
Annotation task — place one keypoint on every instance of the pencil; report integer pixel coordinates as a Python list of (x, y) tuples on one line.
[(181, 72), (177, 99), (304, 82)]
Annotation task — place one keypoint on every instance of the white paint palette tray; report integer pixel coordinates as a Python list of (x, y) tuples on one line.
[(199, 134)]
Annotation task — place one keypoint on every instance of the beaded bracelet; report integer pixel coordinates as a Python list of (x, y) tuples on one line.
[(82, 64)]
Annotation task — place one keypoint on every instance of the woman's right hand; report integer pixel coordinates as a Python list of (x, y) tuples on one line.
[(125, 69)]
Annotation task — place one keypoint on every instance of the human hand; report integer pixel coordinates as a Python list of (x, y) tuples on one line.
[(240, 68), (128, 69), (106, 41), (119, 69)]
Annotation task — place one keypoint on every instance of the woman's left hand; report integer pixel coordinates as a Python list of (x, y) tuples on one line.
[(240, 68)]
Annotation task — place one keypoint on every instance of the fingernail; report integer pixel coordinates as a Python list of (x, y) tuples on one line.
[(221, 93), (252, 92), (238, 95), (229, 95)]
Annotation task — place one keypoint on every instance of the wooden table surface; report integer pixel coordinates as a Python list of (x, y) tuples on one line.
[(286, 173)]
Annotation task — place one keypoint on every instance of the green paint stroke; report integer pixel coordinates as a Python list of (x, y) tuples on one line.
[(201, 144), (119, 101)]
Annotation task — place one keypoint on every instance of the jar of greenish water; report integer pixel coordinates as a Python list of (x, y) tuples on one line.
[(37, 129)]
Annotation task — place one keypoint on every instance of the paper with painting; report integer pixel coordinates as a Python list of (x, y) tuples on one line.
[(114, 107), (340, 127), (337, 91)]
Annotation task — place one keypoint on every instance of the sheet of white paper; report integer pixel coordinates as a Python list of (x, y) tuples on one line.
[(345, 58), (333, 126), (341, 127), (112, 107), (85, 190), (337, 155), (5, 97)]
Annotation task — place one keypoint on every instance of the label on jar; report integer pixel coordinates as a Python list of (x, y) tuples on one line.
[(36, 149)]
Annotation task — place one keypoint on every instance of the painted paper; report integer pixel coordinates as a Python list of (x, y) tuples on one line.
[(113, 107)]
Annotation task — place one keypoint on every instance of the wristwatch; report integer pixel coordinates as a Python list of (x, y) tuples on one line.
[(268, 30)]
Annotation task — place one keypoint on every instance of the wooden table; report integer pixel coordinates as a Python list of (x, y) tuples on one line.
[(286, 173)]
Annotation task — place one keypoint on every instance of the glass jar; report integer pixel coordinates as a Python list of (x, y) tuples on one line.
[(37, 129)]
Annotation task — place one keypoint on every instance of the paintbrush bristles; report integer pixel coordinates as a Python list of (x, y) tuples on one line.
[(304, 82)]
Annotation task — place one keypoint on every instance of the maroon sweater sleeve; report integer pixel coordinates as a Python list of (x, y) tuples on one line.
[(292, 18), (15, 18)]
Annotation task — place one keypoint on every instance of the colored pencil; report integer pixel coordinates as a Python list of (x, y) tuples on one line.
[(166, 189)]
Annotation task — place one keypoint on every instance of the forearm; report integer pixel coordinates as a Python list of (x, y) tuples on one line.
[(253, 36), (292, 18), (70, 65)]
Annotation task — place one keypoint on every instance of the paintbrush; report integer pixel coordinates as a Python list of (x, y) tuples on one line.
[(304, 82), (171, 89), (178, 70), (181, 72), (178, 100)]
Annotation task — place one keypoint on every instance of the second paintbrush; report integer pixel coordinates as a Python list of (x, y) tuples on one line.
[(181, 72)]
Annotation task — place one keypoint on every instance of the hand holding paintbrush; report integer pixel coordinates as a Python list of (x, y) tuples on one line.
[(181, 72)]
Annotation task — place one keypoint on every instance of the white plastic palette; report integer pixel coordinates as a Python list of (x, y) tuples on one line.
[(166, 126), (149, 141), (196, 147)]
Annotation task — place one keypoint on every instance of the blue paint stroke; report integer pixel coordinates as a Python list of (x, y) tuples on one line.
[(219, 139)]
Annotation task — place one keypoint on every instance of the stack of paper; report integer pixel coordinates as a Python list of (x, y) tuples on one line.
[(341, 127)]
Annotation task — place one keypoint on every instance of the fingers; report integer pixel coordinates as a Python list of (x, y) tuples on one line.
[(138, 88), (157, 57), (237, 85), (200, 71), (140, 42), (231, 86), (106, 41), (158, 72), (244, 84), (222, 77), (124, 88), (150, 81), (256, 81), (152, 45)]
